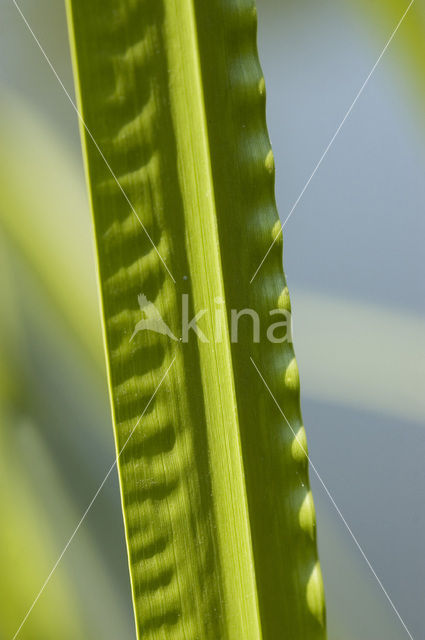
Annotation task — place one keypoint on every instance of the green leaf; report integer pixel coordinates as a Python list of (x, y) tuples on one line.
[(219, 518), (27, 547), (46, 221), (407, 51)]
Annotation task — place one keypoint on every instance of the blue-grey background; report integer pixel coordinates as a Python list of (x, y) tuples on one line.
[(354, 259)]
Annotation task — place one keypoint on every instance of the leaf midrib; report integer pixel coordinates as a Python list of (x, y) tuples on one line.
[(188, 107)]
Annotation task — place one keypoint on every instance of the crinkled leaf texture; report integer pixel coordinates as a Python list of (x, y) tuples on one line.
[(219, 518)]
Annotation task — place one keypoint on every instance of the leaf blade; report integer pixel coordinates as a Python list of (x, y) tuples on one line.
[(153, 101)]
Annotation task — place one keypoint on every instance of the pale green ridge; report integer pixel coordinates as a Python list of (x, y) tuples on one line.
[(207, 558), (203, 251)]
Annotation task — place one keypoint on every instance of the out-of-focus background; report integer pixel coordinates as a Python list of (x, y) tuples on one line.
[(353, 255)]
